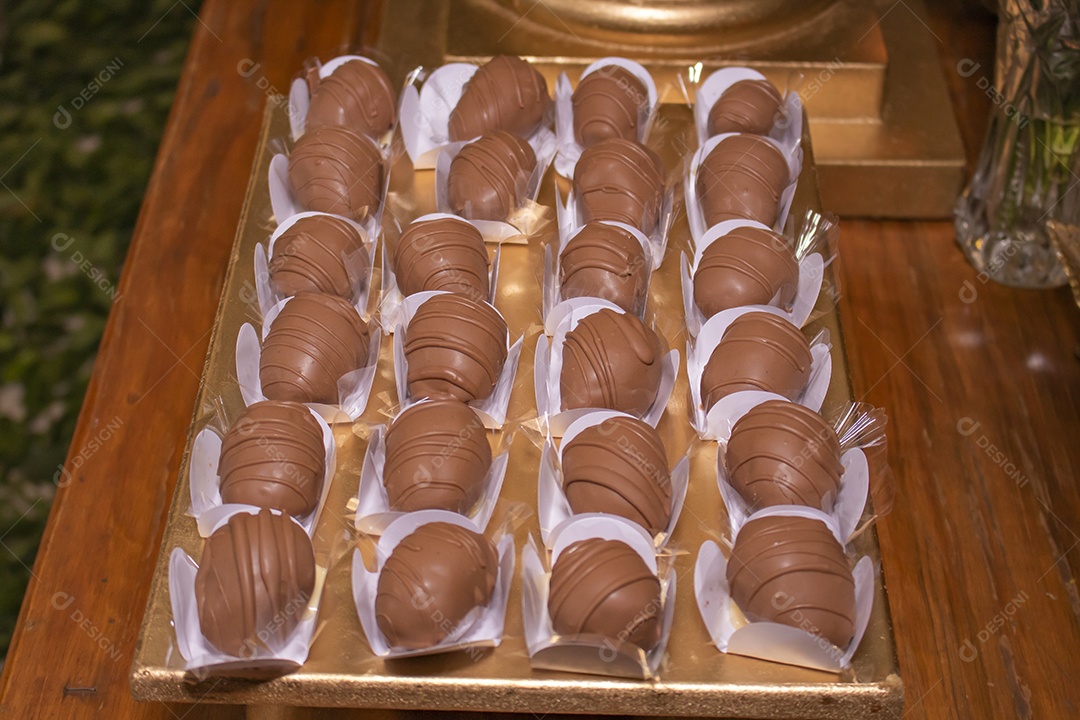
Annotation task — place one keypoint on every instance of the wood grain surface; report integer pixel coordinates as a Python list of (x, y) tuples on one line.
[(982, 384)]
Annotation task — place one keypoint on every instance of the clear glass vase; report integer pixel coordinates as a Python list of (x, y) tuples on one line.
[(1028, 173)]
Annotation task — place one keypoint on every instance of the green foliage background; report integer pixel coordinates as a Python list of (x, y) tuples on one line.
[(86, 181)]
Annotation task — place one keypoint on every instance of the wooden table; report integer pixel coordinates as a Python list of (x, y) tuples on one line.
[(982, 384)]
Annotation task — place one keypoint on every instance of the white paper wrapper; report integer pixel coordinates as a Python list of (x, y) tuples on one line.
[(590, 654), (389, 310), (552, 505), (425, 112), (768, 640), (717, 423), (694, 214), (547, 368), (552, 290), (571, 220), (483, 627), (569, 148), (373, 512), (523, 221), (353, 387), (268, 297), (787, 131), (205, 484), (491, 409), (811, 275), (201, 658), (300, 96)]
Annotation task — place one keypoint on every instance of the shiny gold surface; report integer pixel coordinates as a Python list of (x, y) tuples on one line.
[(697, 680)]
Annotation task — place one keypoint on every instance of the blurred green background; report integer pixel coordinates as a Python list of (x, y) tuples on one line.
[(85, 89)]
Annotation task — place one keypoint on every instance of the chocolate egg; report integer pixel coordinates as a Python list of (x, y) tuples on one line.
[(455, 347), (505, 93), (357, 95), (603, 587), (620, 180), (742, 178), (489, 177), (336, 170), (255, 577), (437, 456), (442, 254), (619, 466), (313, 341), (605, 261), (748, 266), (606, 104), (322, 254), (748, 106), (611, 360), (792, 570), (759, 351), (273, 457), (431, 581), (781, 453)]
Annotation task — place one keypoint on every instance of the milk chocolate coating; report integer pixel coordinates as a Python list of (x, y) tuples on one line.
[(604, 261), (255, 577), (759, 351), (748, 266), (748, 106), (791, 570), (431, 580), (603, 587), (489, 178), (336, 170), (613, 361), (455, 347), (606, 105), (313, 342), (619, 467), (442, 254), (742, 178), (505, 93), (437, 455), (322, 254), (620, 180), (273, 457), (357, 95), (781, 453)]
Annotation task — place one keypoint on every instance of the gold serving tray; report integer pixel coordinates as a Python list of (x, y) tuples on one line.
[(696, 679)]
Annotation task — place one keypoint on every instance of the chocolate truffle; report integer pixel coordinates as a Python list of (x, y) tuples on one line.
[(792, 570), (254, 581), (505, 93), (748, 266), (605, 261), (442, 254), (357, 95), (606, 105), (431, 581), (619, 467), (437, 456), (748, 106), (320, 253), (489, 177), (759, 351), (313, 341), (274, 457), (611, 360), (336, 170), (455, 347), (620, 180), (781, 453), (603, 587), (742, 178)]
